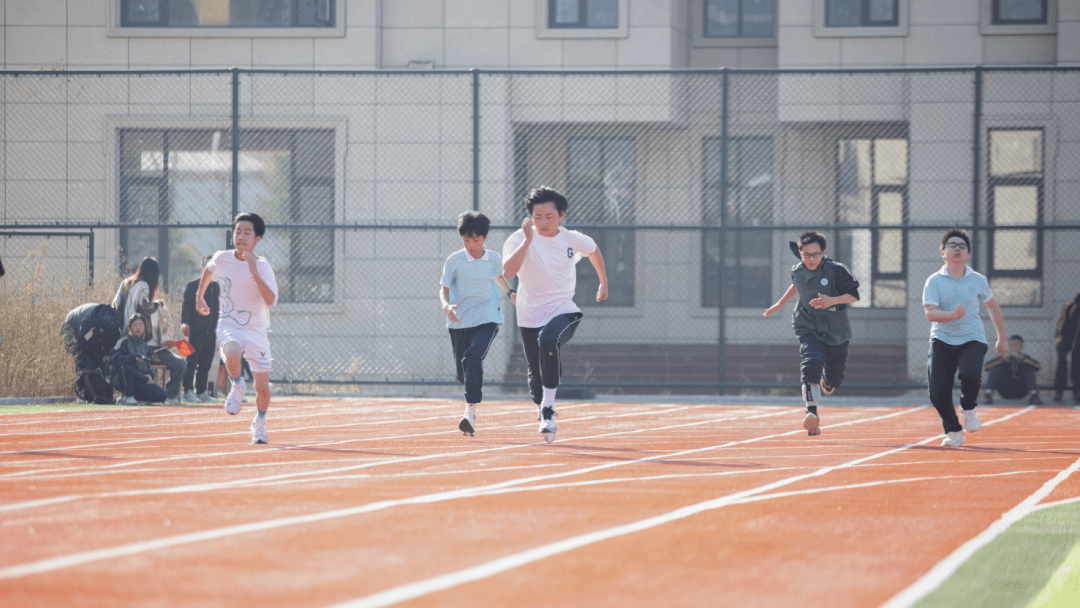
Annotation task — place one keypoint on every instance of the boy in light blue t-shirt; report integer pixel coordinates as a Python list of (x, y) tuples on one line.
[(470, 301), (951, 299)]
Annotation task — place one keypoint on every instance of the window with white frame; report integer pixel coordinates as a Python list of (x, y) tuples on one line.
[(872, 189), (183, 176), (1015, 198), (227, 17), (582, 18), (740, 18), (594, 14), (860, 18), (1018, 12), (861, 13)]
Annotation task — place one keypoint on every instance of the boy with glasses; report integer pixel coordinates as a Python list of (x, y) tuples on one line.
[(825, 288), (951, 300)]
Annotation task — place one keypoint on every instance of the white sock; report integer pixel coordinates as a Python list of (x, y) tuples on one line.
[(549, 397), (470, 411), (815, 393)]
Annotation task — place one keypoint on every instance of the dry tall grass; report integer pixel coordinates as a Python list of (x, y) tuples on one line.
[(33, 362)]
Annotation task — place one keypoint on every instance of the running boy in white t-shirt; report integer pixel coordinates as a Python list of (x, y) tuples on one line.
[(470, 302), (248, 292), (544, 256)]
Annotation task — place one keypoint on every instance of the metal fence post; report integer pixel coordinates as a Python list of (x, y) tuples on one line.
[(721, 378), (235, 152), (476, 139)]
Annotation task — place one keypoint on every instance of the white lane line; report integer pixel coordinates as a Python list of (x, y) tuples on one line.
[(443, 582), (80, 471), (175, 436), (1057, 503), (75, 559), (305, 474)]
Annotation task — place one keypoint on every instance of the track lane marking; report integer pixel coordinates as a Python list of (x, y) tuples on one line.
[(253, 481), (410, 591), (75, 559)]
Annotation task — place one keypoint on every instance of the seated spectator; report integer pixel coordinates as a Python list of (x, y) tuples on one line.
[(1012, 375), (131, 366)]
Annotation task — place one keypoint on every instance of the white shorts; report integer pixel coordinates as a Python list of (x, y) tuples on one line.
[(254, 344)]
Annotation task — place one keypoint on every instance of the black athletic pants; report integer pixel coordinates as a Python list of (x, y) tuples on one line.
[(820, 359), (945, 361), (471, 345), (541, 345), (1066, 372), (198, 363)]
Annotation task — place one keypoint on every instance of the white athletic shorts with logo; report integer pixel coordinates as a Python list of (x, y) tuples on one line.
[(255, 344)]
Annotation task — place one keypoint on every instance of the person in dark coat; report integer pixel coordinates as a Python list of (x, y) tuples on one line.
[(1067, 341), (200, 331), (825, 289)]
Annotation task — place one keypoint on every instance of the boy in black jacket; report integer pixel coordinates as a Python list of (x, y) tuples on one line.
[(825, 288)]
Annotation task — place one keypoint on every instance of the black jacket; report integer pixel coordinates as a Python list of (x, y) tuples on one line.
[(1068, 327), (199, 323)]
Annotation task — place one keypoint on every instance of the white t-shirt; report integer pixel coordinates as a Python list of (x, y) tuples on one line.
[(548, 274), (242, 304)]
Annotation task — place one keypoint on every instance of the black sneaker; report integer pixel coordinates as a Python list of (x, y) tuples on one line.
[(988, 398), (1034, 400), (1058, 398)]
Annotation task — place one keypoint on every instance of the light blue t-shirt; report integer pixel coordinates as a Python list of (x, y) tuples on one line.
[(473, 288), (946, 293)]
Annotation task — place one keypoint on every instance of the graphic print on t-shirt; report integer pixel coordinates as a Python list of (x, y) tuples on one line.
[(228, 307)]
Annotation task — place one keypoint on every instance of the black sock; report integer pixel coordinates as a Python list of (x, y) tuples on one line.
[(811, 409)]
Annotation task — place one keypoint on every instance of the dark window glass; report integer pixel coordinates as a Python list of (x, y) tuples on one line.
[(227, 13), (601, 190), (861, 13), (589, 14), (740, 18), (746, 259), (1019, 12)]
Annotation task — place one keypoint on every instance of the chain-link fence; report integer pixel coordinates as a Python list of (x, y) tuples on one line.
[(691, 182)]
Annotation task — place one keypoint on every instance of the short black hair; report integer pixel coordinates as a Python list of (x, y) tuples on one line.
[(1017, 337), (474, 223), (960, 232), (811, 236), (257, 222), (136, 317), (544, 194)]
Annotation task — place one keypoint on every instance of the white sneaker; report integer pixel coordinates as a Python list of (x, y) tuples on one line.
[(130, 400), (971, 421), (548, 428), (173, 400), (811, 424), (236, 397), (205, 397), (258, 430), (468, 424), (953, 440), (190, 397)]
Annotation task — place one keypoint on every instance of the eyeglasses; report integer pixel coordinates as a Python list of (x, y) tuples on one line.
[(960, 246), (811, 256)]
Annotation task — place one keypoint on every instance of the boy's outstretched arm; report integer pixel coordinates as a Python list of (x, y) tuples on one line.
[(200, 298), (597, 260), (790, 293)]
